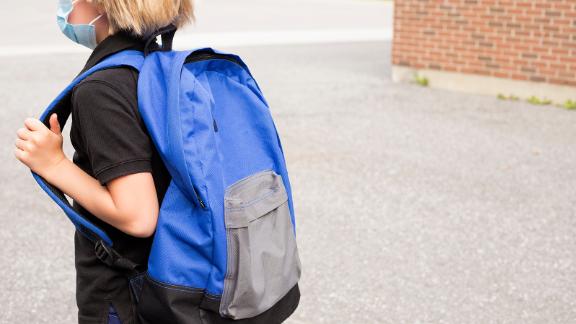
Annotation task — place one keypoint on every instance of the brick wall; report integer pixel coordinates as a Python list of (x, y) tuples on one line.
[(533, 40)]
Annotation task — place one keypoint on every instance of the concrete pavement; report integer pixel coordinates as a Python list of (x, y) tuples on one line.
[(413, 205)]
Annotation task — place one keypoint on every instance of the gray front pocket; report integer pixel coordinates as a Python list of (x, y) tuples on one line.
[(263, 263)]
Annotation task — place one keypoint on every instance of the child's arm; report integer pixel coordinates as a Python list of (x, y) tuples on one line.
[(128, 203)]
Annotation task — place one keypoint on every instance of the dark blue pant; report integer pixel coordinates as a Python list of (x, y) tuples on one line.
[(113, 316)]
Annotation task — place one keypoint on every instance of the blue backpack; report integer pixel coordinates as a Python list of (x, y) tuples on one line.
[(224, 247)]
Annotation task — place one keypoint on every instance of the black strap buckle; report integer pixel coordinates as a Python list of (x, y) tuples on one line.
[(105, 253), (111, 258)]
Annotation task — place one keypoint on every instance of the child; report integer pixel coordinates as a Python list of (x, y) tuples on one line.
[(116, 178)]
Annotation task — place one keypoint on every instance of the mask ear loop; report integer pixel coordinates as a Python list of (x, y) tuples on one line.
[(94, 20)]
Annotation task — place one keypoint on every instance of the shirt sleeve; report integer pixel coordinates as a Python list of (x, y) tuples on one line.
[(112, 133)]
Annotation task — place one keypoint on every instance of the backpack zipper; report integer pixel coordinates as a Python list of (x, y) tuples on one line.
[(200, 201), (204, 56)]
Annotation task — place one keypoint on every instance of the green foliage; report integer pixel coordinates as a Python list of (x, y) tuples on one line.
[(569, 104), (421, 80), (510, 97), (537, 101)]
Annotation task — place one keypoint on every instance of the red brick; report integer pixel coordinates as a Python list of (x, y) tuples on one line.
[(518, 39)]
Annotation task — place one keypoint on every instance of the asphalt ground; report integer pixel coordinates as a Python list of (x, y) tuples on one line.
[(413, 205)]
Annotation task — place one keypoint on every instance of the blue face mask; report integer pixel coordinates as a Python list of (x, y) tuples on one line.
[(83, 34)]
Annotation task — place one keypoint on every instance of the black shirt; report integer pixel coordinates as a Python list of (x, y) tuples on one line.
[(110, 140)]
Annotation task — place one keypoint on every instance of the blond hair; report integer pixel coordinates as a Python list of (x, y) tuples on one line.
[(143, 17)]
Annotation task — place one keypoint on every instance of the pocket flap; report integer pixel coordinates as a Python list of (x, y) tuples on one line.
[(253, 197)]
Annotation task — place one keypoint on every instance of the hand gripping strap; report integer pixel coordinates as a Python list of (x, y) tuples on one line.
[(61, 106)]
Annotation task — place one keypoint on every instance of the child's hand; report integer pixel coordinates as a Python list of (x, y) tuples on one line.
[(38, 147)]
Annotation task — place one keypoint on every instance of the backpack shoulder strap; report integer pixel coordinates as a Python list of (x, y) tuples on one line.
[(61, 106)]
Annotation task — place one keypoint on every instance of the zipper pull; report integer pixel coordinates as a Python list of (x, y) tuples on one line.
[(200, 201)]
